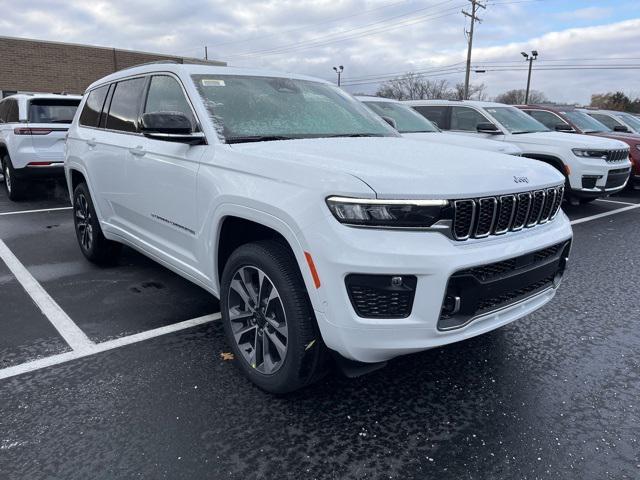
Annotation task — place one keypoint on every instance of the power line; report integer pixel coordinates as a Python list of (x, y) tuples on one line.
[(345, 34)]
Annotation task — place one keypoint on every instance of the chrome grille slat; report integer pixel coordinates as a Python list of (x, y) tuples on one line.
[(613, 156), (486, 216)]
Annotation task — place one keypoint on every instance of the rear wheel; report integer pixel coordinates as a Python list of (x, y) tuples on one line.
[(93, 244), (13, 186), (268, 318)]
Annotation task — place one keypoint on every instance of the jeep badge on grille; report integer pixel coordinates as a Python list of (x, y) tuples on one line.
[(520, 179)]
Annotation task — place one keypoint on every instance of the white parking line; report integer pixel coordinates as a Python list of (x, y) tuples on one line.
[(605, 214), (103, 347), (615, 201), (75, 337), (36, 211)]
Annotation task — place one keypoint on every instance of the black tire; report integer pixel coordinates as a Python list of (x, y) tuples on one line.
[(93, 244), (15, 187), (305, 360)]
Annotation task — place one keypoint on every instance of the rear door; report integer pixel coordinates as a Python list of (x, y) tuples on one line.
[(437, 114), (48, 121)]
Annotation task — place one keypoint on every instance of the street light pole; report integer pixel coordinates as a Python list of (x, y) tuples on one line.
[(339, 70), (530, 59)]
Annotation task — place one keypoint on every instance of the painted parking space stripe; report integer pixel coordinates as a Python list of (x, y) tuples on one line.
[(68, 330), (36, 211), (605, 214), (615, 201), (96, 348)]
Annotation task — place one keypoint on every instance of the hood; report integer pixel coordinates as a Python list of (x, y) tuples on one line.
[(631, 139), (465, 141), (568, 140), (403, 168)]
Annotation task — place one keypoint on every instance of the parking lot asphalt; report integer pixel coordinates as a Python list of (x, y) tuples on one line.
[(554, 395)]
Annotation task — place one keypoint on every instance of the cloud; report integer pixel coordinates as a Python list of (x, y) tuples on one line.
[(370, 38)]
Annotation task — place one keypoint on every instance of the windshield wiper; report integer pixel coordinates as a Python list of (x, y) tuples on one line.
[(524, 131), (355, 135), (258, 138)]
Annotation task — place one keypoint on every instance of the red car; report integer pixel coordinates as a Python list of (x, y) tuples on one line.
[(569, 119)]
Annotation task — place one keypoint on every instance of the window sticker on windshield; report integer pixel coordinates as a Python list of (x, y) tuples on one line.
[(211, 82)]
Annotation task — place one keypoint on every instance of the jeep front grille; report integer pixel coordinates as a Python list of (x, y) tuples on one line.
[(617, 155), (481, 217)]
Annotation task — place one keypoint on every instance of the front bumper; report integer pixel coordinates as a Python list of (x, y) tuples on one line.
[(429, 256)]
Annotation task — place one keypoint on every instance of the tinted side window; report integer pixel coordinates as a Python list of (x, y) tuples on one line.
[(436, 114), (125, 104), (606, 119), (466, 119), (4, 108), (90, 115), (166, 95), (12, 113), (548, 119)]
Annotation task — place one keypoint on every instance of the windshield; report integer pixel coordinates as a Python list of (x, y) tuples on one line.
[(52, 111), (406, 118), (249, 109), (633, 122), (516, 121), (585, 123)]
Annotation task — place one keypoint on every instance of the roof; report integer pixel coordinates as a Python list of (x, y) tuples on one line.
[(552, 108), (475, 103), (31, 96), (371, 98), (193, 69)]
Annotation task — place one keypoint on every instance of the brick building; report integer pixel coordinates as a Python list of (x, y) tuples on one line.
[(52, 67)]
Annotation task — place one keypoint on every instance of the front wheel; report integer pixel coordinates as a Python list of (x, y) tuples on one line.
[(93, 244), (268, 318)]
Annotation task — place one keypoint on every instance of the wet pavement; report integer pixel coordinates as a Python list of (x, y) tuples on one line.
[(554, 395)]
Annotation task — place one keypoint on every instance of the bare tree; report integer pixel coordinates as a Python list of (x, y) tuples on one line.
[(411, 86), (517, 97)]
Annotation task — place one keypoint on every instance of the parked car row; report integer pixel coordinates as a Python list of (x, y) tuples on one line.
[(324, 231)]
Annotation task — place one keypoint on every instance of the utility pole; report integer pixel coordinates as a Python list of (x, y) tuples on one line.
[(475, 5), (530, 59), (339, 70), (206, 53)]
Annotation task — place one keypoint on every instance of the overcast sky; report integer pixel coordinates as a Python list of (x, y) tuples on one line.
[(371, 38)]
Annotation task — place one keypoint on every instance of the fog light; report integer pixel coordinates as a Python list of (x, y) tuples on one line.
[(381, 296)]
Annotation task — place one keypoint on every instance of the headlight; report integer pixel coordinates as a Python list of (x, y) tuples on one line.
[(388, 213), (582, 152)]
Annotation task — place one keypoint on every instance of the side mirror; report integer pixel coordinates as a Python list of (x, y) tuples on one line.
[(489, 128), (390, 121), (620, 128), (564, 127), (170, 127)]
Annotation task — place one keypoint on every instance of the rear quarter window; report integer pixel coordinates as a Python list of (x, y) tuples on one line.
[(90, 115)]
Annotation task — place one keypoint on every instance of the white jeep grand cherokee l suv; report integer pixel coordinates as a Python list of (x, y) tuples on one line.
[(593, 166), (32, 138), (318, 227), (412, 125)]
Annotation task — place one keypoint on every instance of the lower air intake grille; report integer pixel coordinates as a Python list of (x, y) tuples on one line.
[(381, 296)]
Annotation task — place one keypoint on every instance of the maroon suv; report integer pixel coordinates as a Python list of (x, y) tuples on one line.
[(569, 119)]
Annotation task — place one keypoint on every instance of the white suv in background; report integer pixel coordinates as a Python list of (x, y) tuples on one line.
[(32, 138), (593, 166), (318, 227), (413, 125), (616, 121)]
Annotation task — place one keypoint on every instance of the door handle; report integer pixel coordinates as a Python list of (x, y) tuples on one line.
[(138, 151), (92, 143)]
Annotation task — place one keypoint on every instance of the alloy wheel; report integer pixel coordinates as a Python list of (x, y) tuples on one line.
[(258, 320), (83, 222), (7, 178)]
